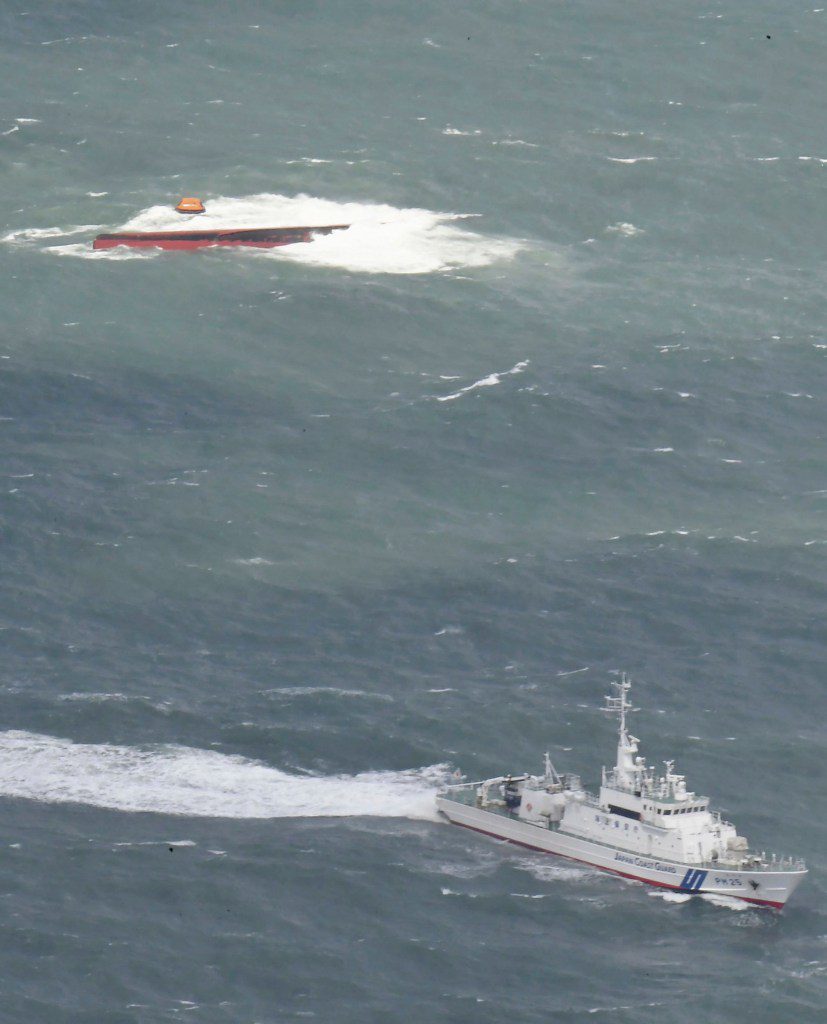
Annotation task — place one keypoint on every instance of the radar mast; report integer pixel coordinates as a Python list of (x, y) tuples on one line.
[(628, 768)]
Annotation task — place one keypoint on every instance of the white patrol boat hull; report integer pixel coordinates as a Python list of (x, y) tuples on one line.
[(766, 887)]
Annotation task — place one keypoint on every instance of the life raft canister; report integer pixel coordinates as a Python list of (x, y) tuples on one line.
[(190, 204)]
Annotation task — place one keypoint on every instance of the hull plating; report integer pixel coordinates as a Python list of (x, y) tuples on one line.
[(258, 238)]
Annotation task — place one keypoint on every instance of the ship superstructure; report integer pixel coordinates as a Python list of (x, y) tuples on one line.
[(641, 825)]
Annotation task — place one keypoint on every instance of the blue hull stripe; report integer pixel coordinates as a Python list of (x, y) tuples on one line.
[(693, 880)]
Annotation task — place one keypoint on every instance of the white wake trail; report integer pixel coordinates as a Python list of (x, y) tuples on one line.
[(201, 783)]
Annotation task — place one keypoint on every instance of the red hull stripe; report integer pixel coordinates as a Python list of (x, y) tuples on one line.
[(612, 871), (179, 244)]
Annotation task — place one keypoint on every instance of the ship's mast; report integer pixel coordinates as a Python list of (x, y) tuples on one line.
[(627, 768), (549, 771)]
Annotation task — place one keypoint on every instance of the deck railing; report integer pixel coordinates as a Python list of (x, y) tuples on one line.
[(466, 793)]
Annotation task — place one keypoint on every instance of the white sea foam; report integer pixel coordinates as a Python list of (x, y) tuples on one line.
[(157, 842), (548, 870), (116, 698), (201, 783), (485, 382), (37, 234), (381, 239), (630, 159), (84, 251), (613, 1010), (729, 902), (334, 691), (624, 228), (670, 897), (515, 142)]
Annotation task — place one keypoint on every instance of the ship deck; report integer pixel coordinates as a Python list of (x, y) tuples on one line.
[(466, 794)]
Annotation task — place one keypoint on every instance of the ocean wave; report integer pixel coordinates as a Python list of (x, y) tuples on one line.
[(670, 897), (84, 251), (485, 382), (116, 698), (553, 870), (727, 902), (24, 235), (624, 228), (328, 691)]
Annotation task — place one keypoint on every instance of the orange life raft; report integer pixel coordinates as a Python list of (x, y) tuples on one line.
[(190, 204)]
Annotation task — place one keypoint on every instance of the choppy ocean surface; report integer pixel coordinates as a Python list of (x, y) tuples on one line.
[(288, 535)]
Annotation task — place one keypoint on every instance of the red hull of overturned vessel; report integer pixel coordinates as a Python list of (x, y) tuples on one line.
[(259, 238)]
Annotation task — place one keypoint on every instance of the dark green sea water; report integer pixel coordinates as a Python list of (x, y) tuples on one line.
[(284, 534)]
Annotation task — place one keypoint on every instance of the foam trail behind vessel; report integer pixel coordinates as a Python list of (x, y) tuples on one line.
[(200, 783)]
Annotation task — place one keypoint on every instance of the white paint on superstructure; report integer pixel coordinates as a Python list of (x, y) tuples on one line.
[(641, 825)]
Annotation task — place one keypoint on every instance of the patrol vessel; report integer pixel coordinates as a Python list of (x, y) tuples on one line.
[(642, 825)]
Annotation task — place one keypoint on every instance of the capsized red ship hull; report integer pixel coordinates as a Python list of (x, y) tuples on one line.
[(259, 238)]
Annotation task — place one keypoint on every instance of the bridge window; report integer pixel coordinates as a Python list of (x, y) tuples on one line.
[(624, 812)]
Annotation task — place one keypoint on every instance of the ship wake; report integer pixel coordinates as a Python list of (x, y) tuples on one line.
[(201, 783)]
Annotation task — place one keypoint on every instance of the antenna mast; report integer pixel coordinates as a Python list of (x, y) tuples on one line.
[(618, 703)]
